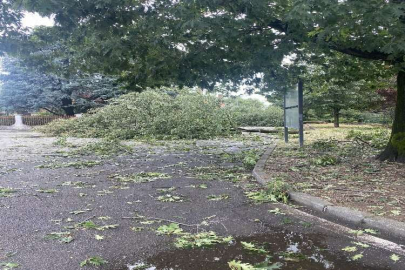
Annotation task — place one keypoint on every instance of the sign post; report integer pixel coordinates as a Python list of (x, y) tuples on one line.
[(294, 111)]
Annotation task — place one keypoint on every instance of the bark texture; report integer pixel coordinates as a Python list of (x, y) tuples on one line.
[(395, 150), (336, 116)]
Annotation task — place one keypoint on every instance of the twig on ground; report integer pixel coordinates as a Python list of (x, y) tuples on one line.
[(87, 219), (167, 220)]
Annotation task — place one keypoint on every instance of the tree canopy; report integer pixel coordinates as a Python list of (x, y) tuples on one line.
[(153, 43), (10, 25), (337, 82), (23, 89)]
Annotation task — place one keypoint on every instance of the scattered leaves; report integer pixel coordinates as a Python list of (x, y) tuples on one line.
[(93, 261), (357, 257), (170, 229), (204, 239), (350, 249), (62, 237), (218, 197), (252, 247)]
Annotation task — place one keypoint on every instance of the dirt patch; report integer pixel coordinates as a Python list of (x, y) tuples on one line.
[(342, 171)]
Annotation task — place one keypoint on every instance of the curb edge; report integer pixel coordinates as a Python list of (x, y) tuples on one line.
[(327, 210)]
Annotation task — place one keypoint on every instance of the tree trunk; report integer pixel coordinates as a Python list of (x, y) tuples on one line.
[(67, 106), (336, 116), (395, 150)]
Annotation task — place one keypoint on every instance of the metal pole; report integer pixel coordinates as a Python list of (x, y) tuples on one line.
[(301, 110), (285, 118)]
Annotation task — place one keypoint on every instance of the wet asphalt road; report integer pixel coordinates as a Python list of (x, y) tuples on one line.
[(49, 200)]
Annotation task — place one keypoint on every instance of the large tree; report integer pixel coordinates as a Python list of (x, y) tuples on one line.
[(337, 82), (201, 42), (23, 89)]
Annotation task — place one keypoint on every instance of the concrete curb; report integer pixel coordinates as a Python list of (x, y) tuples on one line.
[(391, 228)]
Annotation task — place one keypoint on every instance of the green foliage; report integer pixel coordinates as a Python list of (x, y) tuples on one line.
[(9, 265), (339, 82), (10, 25), (276, 191), (359, 116), (279, 189), (24, 89), (252, 247), (395, 258), (107, 147), (61, 141), (88, 225), (143, 177), (377, 138), (249, 112), (93, 261), (261, 197), (238, 265), (62, 237), (218, 197), (293, 256), (201, 240), (324, 145), (361, 232), (74, 164), (6, 192), (249, 158), (170, 229), (152, 114), (166, 42), (325, 160)]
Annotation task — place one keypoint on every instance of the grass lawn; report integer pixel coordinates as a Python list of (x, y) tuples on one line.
[(339, 165)]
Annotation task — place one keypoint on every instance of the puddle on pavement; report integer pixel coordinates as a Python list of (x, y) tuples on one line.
[(293, 251)]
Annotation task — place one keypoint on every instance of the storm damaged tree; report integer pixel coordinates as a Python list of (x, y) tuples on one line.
[(206, 41)]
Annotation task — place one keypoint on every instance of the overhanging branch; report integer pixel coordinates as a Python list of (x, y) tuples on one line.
[(373, 55)]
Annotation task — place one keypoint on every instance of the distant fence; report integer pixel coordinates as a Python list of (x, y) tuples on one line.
[(31, 120), (7, 120), (41, 120)]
